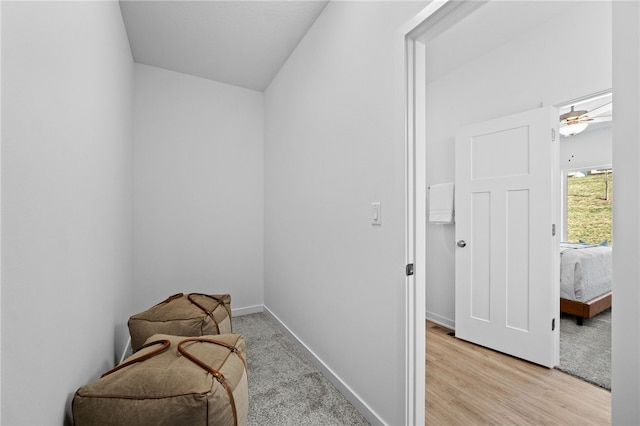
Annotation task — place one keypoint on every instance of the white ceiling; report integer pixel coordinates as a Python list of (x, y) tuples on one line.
[(493, 24), (243, 43), (456, 46)]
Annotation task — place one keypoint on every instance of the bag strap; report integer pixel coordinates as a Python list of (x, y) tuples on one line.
[(207, 311), (165, 345), (170, 298), (215, 373)]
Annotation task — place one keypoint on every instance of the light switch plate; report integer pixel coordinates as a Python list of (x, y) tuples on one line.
[(376, 213)]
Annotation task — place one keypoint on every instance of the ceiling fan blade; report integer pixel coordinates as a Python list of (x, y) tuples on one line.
[(601, 109), (573, 115), (584, 118), (601, 119)]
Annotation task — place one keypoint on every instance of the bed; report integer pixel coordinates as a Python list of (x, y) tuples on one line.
[(585, 279)]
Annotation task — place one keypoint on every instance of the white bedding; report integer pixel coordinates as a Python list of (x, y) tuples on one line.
[(585, 271)]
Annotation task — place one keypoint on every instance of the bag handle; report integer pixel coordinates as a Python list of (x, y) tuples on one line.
[(170, 298), (207, 311), (183, 351), (215, 373), (165, 345)]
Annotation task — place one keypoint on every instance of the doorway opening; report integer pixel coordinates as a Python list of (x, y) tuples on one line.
[(491, 97), (586, 250)]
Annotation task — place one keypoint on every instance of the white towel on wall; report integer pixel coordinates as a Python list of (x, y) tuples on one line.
[(441, 203)]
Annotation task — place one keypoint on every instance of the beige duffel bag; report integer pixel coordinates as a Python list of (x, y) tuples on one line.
[(171, 381), (193, 314)]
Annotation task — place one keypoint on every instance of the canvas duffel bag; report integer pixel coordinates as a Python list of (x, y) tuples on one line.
[(171, 380), (193, 314)]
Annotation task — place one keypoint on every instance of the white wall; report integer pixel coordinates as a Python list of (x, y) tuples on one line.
[(523, 73), (198, 188), (589, 149), (334, 145), (625, 340), (67, 77)]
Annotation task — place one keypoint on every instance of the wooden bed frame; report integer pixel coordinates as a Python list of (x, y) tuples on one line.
[(588, 309)]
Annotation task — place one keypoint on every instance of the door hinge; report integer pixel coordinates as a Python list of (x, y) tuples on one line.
[(553, 230), (553, 324), (409, 269), (553, 135)]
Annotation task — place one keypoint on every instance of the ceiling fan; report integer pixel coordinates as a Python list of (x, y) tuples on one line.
[(574, 122)]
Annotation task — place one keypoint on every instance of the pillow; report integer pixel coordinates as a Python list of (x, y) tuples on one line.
[(603, 243)]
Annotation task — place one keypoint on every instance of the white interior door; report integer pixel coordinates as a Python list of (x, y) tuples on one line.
[(507, 260)]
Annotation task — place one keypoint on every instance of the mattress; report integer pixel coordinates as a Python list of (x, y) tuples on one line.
[(585, 271)]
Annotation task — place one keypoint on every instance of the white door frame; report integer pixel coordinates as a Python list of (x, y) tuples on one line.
[(430, 22), (0, 211)]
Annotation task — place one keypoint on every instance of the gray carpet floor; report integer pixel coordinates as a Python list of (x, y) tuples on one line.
[(585, 351), (285, 388)]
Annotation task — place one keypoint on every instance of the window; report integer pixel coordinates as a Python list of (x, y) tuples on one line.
[(589, 206)]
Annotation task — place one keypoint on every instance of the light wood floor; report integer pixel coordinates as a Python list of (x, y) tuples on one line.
[(471, 385)]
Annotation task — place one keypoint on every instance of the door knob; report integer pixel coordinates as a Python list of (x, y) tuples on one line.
[(461, 243)]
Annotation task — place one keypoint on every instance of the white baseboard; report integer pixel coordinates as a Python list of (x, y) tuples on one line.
[(326, 371), (238, 312), (440, 320)]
